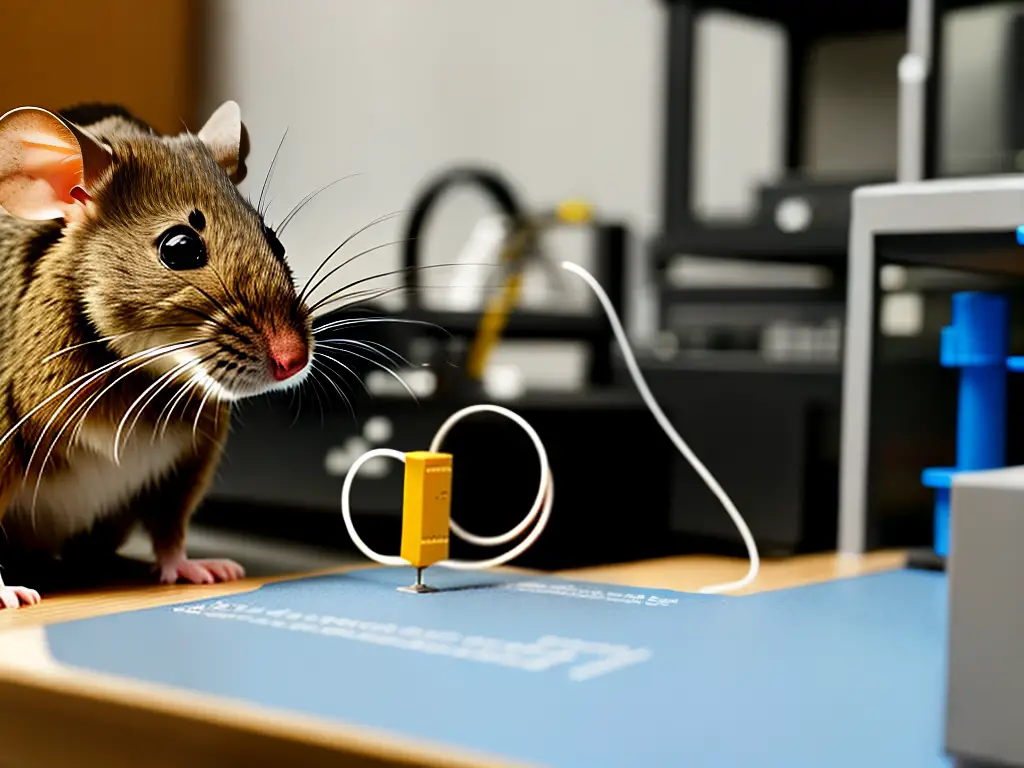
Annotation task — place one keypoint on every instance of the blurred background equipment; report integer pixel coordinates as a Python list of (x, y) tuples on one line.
[(480, 319), (715, 144), (753, 286), (432, 359)]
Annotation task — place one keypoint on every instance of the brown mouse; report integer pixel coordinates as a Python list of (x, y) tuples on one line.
[(141, 295)]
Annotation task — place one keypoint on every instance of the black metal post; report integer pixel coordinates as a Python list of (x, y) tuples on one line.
[(796, 98), (678, 139), (611, 243), (933, 93)]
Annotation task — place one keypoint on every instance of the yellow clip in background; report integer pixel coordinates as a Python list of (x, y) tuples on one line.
[(574, 212)]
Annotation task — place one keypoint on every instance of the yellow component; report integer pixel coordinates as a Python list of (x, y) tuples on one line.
[(495, 317), (426, 509), (574, 212), (491, 327)]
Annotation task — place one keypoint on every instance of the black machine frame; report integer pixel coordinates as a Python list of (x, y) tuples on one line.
[(804, 24), (611, 246)]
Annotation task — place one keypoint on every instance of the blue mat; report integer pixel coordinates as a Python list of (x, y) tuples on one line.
[(848, 673)]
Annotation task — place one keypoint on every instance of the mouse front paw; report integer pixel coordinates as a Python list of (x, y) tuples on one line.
[(200, 571), (13, 597)]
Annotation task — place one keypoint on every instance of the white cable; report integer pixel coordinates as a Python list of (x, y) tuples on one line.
[(346, 512), (666, 425), (541, 505), (542, 455), (546, 491)]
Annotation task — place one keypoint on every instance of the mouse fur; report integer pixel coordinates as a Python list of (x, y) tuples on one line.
[(91, 289)]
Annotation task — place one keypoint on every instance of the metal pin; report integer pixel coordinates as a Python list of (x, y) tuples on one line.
[(419, 587)]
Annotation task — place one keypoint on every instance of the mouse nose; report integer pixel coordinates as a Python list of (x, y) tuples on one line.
[(289, 354)]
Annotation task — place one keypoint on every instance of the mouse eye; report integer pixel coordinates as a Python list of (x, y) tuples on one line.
[(181, 248)]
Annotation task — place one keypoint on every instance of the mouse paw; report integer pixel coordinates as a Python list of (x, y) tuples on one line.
[(12, 597), (200, 571)]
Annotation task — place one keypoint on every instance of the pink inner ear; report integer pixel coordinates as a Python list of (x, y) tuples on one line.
[(59, 166)]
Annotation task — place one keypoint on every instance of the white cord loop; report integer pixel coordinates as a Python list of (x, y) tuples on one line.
[(541, 505), (546, 491), (346, 512)]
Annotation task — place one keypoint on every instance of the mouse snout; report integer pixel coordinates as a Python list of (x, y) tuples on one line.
[(288, 353)]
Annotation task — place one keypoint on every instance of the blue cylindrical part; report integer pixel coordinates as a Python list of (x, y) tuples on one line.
[(976, 342), (941, 532), (981, 418), (979, 332)]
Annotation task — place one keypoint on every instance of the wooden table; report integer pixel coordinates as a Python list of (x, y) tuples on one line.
[(55, 716)]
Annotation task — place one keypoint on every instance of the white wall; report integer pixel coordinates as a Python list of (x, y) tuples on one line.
[(565, 96), (562, 96)]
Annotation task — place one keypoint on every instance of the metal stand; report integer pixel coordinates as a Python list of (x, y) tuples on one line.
[(963, 224), (419, 588)]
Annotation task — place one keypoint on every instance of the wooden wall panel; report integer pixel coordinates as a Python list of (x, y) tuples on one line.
[(145, 54)]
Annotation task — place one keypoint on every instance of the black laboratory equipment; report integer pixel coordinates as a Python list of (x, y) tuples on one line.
[(286, 461), (751, 371)]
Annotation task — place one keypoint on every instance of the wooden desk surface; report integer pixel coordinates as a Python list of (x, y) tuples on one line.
[(691, 573), (101, 720)]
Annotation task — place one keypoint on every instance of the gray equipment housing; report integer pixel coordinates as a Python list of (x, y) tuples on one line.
[(985, 656)]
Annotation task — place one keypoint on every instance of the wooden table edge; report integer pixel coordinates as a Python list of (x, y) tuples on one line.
[(114, 721), (98, 712)]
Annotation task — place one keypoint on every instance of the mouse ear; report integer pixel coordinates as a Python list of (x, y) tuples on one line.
[(225, 135), (47, 165)]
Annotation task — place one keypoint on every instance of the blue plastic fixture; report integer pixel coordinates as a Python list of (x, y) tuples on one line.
[(977, 342)]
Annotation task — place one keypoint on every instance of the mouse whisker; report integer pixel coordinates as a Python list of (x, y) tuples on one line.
[(218, 305), (270, 173), (402, 271), (366, 295), (383, 350), (343, 346), (148, 358), (93, 375), (356, 298), (317, 369), (307, 200), (217, 399), (306, 290), (335, 269), (158, 386), (217, 324), (350, 322), (115, 337), (230, 383), (87, 405), (90, 404), (208, 389), (296, 398), (316, 391), (169, 407), (224, 285), (384, 368), (168, 410), (345, 369)]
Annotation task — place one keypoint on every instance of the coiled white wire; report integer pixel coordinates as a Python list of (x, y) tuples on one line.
[(541, 505), (546, 491)]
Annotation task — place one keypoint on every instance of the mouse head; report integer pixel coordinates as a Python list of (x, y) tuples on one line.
[(170, 257)]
